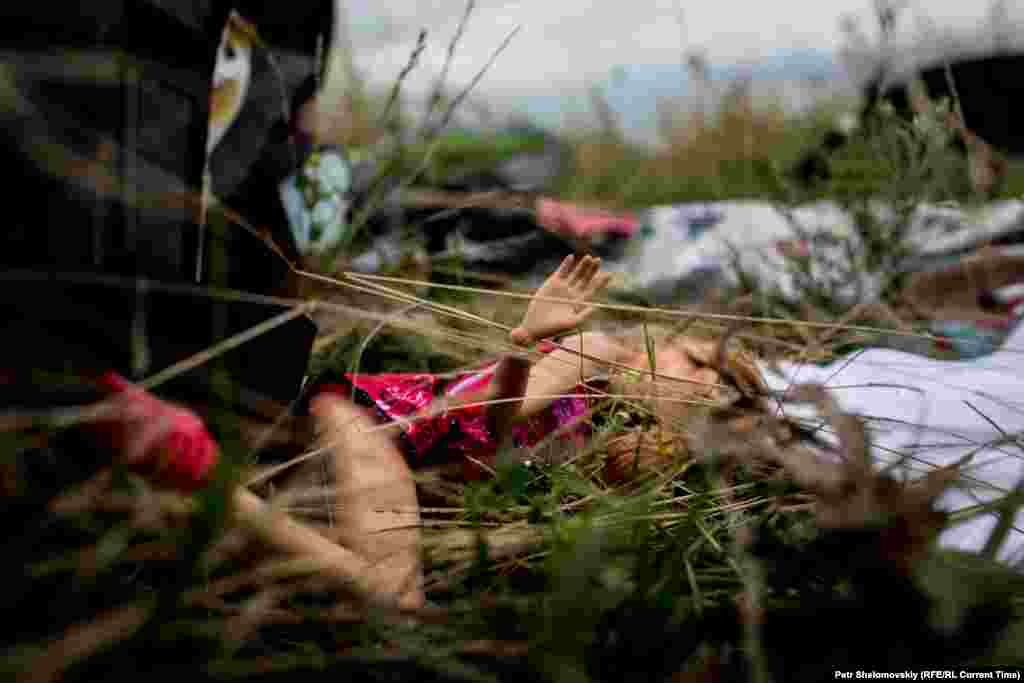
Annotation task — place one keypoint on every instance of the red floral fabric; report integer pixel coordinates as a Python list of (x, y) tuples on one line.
[(462, 431)]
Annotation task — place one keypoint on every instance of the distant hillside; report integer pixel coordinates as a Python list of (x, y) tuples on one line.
[(797, 77)]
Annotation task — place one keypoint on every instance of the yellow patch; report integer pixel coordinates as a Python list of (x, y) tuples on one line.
[(238, 40), (225, 101), (242, 30)]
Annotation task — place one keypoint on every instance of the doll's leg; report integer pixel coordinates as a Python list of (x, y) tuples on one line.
[(376, 512)]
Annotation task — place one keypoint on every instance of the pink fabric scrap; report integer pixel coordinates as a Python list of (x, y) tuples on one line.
[(582, 222)]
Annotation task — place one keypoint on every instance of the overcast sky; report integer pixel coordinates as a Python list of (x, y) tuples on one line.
[(565, 44)]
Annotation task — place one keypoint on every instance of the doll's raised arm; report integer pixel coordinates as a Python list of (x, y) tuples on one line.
[(558, 307)]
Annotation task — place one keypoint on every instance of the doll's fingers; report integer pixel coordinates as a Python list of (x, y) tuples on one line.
[(577, 271), (597, 284), (566, 267), (593, 270), (583, 271), (585, 286)]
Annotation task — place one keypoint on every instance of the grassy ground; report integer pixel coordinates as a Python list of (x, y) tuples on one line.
[(712, 568)]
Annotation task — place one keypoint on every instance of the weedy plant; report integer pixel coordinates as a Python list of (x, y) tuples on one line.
[(879, 181)]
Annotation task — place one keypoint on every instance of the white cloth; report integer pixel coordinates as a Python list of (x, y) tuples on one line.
[(920, 406)]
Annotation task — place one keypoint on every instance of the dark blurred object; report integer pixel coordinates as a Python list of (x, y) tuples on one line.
[(260, 149), (814, 167), (475, 203), (520, 158), (104, 109), (988, 88)]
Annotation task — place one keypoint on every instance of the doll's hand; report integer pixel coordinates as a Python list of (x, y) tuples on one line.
[(577, 281)]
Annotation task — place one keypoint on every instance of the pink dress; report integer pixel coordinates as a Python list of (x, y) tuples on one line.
[(460, 432)]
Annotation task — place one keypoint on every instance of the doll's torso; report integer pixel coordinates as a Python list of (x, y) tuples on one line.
[(464, 431)]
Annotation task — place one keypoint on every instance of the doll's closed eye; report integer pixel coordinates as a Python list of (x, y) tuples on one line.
[(700, 364)]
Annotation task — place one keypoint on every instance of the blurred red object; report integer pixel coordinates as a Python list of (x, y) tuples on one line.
[(167, 443)]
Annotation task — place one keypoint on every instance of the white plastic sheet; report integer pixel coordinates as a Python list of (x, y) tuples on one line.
[(936, 412)]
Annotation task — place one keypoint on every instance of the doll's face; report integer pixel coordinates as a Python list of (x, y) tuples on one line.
[(685, 361), (231, 76), (674, 361)]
